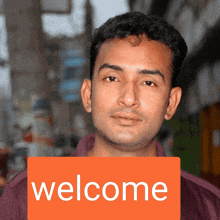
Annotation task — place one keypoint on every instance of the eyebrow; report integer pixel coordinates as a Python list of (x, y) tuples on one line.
[(109, 66), (118, 68), (153, 72)]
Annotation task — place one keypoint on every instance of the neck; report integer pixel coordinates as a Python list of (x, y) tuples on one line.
[(103, 148)]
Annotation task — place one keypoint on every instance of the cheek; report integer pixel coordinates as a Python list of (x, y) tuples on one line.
[(151, 98), (104, 96), (103, 100), (154, 103)]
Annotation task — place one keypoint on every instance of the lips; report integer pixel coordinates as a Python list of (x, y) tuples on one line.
[(126, 118)]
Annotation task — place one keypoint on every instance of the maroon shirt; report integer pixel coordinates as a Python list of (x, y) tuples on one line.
[(199, 198)]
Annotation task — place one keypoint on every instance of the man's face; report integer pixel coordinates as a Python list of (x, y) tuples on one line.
[(130, 94)]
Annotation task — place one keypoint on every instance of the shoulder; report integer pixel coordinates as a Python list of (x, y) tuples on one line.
[(199, 198), (13, 202), (201, 183), (18, 187), (19, 180)]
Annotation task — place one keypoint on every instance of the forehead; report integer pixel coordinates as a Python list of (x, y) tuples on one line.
[(135, 51)]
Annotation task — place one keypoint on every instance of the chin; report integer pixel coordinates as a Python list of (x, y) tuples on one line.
[(126, 140)]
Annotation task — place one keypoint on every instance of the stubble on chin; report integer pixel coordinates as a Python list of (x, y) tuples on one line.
[(123, 142)]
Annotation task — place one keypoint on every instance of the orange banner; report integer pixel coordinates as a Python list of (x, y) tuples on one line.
[(103, 188)]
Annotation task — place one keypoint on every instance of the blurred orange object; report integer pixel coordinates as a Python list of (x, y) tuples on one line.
[(2, 181), (28, 137), (4, 151)]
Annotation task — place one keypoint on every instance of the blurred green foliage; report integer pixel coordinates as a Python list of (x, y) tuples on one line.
[(187, 142)]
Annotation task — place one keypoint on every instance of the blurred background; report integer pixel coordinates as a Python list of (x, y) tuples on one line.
[(44, 57)]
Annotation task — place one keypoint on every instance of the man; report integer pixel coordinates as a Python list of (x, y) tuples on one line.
[(135, 60)]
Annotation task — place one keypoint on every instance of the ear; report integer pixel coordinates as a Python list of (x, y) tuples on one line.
[(174, 100), (86, 90)]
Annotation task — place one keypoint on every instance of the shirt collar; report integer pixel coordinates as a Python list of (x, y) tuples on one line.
[(87, 143)]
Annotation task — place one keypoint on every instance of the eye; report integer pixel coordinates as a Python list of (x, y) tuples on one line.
[(111, 79), (149, 83)]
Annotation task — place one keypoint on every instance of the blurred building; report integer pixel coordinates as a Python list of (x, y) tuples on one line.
[(66, 67), (197, 121), (68, 58), (5, 123), (66, 80)]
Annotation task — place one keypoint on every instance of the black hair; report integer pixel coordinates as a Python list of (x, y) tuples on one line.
[(137, 24)]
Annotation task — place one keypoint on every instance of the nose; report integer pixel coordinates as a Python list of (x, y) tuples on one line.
[(129, 95)]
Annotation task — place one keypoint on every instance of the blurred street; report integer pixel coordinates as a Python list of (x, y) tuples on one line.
[(44, 57)]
